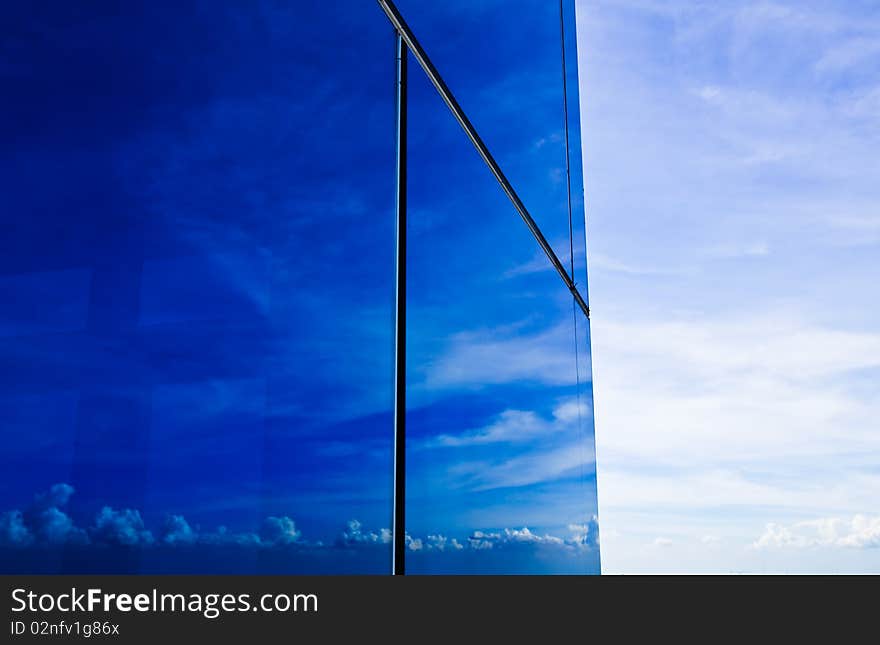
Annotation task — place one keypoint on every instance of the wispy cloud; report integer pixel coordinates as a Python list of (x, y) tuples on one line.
[(574, 457), (848, 54), (737, 140), (516, 426), (729, 251), (481, 358), (601, 262)]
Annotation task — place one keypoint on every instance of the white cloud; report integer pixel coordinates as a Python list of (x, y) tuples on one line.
[(536, 467), (443, 543), (859, 532), (413, 544), (13, 532), (561, 446), (515, 426), (178, 531), (737, 140), (587, 533), (48, 523), (476, 359), (58, 495), (511, 425), (712, 392), (54, 526), (849, 53), (124, 527), (712, 426), (355, 534), (279, 531), (584, 536)]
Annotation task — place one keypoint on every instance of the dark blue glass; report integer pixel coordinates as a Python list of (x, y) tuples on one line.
[(195, 286)]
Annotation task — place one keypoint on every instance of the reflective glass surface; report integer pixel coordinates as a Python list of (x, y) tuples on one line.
[(196, 275), (197, 291), (503, 62), (501, 466)]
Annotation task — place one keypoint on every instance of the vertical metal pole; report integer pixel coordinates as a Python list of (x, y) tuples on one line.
[(398, 564)]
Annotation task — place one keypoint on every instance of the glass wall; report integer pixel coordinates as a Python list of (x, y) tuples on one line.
[(197, 268), (502, 60), (196, 293), (501, 464)]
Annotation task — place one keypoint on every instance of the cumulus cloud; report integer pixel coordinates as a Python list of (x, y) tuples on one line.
[(178, 531), (442, 543), (354, 533), (122, 528), (13, 532), (583, 536), (859, 532), (56, 527), (433, 542), (480, 540), (279, 531), (45, 524), (48, 523), (57, 495), (586, 534)]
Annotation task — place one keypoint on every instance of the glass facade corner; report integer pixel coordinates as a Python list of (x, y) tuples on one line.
[(197, 291)]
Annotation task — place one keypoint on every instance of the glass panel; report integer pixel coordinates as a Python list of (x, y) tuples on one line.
[(501, 465), (196, 287), (503, 62)]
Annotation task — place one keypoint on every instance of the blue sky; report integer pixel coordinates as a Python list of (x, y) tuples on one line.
[(733, 231), (197, 285)]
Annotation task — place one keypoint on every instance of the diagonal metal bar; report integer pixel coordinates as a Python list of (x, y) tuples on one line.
[(409, 38)]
